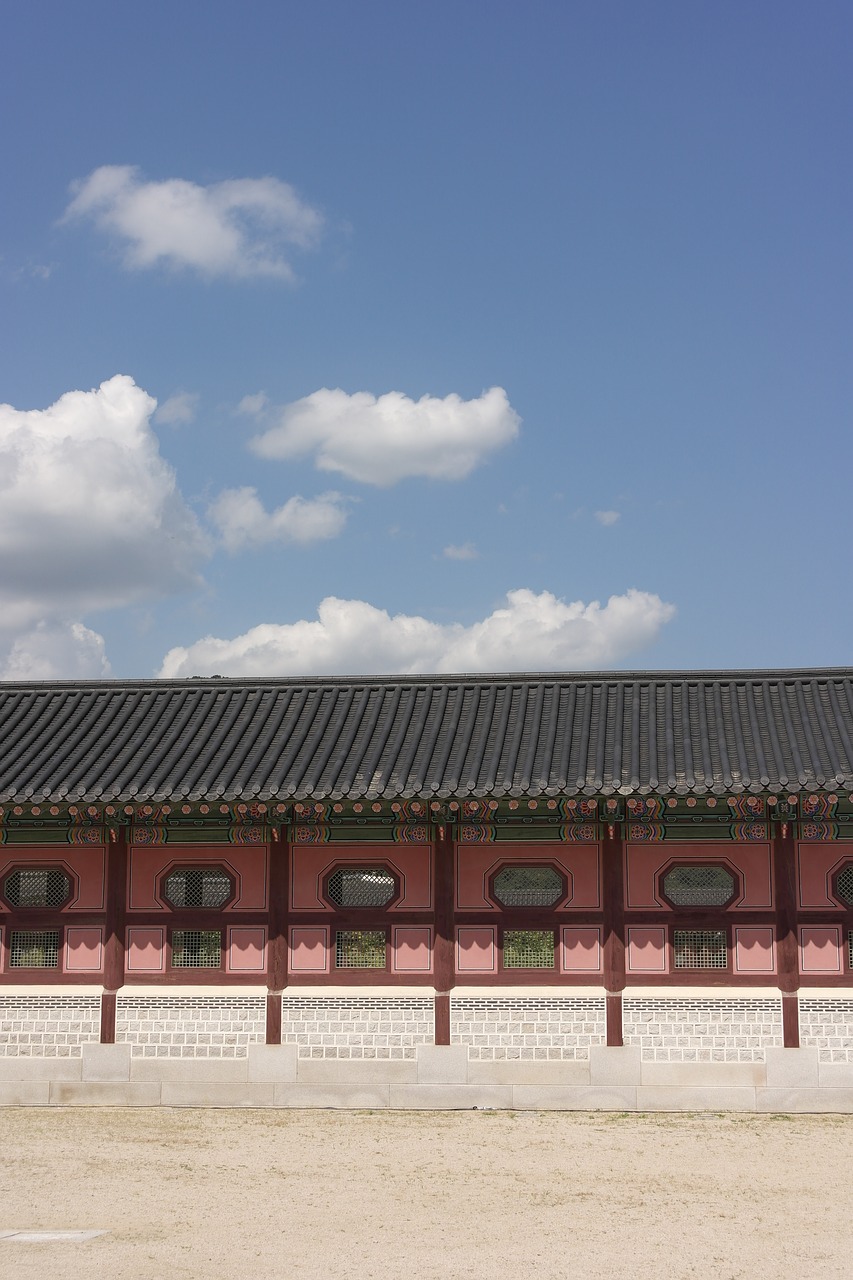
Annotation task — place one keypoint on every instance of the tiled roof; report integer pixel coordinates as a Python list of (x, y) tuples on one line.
[(633, 733)]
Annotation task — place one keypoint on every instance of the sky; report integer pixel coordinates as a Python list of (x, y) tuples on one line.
[(394, 338)]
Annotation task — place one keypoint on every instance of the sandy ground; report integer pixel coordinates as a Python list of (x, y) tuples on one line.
[(486, 1194)]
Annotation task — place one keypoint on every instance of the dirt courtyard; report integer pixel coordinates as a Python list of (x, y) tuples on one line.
[(295, 1193)]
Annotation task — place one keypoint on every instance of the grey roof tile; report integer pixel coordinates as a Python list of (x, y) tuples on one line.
[(633, 733)]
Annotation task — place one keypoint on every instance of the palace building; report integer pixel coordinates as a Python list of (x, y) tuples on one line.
[(625, 891)]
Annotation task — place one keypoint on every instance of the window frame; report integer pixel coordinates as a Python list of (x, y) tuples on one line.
[(361, 910), (205, 912), (519, 908), (695, 910), (29, 908)]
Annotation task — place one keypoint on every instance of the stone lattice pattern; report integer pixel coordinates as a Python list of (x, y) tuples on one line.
[(536, 1028), (827, 1025), (192, 1027), (702, 1030), (48, 1026), (357, 1028)]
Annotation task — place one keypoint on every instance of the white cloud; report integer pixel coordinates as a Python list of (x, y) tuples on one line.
[(90, 518), (380, 440), (530, 633), (467, 551), (240, 228), (56, 651), (178, 410), (243, 521), (607, 517), (253, 406)]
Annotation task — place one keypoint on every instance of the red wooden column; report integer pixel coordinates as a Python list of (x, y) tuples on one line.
[(787, 951), (443, 958), (277, 972), (115, 893), (614, 927)]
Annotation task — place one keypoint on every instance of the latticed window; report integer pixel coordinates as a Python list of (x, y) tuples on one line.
[(37, 887), (197, 887), (528, 886), (34, 949), (360, 949), (844, 884), (528, 949), (362, 887), (700, 949), (702, 885), (196, 948), (850, 947)]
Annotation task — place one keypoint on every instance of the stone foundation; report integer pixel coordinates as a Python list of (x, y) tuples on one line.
[(48, 1026), (547, 1028), (357, 1027), (703, 1028), (181, 1026)]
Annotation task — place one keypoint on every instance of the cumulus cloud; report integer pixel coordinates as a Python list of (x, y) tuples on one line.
[(607, 517), (380, 440), (242, 519), (178, 410), (90, 514), (531, 632), (467, 551), (56, 651), (240, 228)]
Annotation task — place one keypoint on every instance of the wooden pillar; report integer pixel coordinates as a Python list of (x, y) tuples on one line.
[(277, 971), (443, 954), (614, 928), (787, 951), (115, 893)]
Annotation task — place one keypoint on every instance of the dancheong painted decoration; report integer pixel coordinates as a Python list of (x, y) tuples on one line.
[(470, 883)]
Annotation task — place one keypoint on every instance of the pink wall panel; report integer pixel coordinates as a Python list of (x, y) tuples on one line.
[(86, 862), (476, 950), (816, 863), (820, 949), (646, 950), (146, 950), (246, 950), (84, 949), (581, 950), (643, 862), (475, 865), (412, 950), (309, 949), (754, 950), (247, 863), (311, 863)]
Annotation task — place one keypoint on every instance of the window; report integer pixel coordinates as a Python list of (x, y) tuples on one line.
[(699, 885), (196, 948), (361, 887), (197, 887), (844, 884), (700, 949), (34, 949), (360, 949), (37, 887), (528, 949), (522, 886)]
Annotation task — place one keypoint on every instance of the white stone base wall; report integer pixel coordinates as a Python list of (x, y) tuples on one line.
[(48, 1026), (501, 1028), (171, 1026), (827, 1025), (702, 1029), (358, 1026)]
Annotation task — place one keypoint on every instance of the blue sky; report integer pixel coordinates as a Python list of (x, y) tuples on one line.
[(633, 220)]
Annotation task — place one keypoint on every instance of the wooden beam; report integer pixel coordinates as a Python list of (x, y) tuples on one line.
[(443, 949), (787, 951), (114, 928), (613, 891)]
